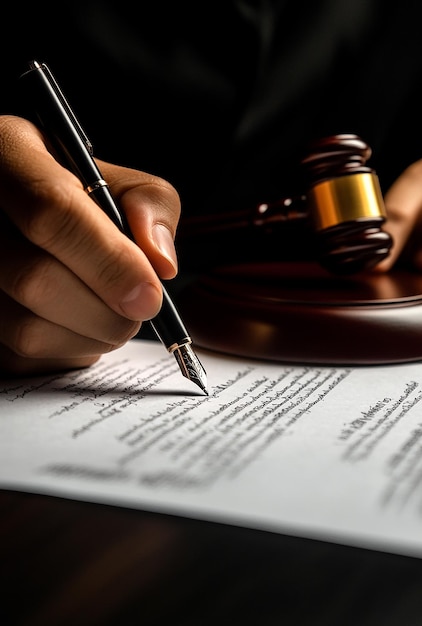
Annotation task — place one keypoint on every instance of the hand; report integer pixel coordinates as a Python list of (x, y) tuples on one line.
[(72, 286), (403, 203)]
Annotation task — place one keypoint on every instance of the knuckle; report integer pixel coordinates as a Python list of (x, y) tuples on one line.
[(170, 199), (32, 283), (159, 194), (113, 267), (50, 214)]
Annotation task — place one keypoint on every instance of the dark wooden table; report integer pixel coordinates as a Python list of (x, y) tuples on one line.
[(73, 563)]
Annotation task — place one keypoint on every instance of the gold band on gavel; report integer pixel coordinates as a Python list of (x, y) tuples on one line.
[(344, 199)]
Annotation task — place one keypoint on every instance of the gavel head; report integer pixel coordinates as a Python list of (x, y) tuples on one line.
[(345, 204)]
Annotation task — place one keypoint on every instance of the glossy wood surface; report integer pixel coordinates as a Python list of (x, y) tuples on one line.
[(299, 312)]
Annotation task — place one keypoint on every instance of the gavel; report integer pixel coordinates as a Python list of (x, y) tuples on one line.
[(342, 203), (345, 204)]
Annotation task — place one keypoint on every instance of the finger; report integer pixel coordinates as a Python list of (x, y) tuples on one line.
[(49, 206), (12, 364), (152, 207), (403, 203), (24, 337), (51, 291)]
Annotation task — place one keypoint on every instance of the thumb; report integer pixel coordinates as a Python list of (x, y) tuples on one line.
[(152, 208)]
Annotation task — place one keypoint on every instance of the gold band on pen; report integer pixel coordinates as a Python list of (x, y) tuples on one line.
[(346, 198), (97, 185)]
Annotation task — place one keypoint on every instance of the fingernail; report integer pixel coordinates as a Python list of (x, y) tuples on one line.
[(142, 303), (164, 242)]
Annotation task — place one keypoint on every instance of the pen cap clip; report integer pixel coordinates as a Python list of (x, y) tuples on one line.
[(50, 111), (34, 66)]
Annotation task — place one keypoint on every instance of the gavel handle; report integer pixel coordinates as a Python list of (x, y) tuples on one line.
[(263, 216)]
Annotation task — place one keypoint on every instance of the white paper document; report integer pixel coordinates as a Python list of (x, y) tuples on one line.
[(332, 453)]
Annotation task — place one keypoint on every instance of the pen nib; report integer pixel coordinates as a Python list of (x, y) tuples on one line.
[(190, 366)]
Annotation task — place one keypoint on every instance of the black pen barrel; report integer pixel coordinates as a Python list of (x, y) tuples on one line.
[(169, 326), (49, 111)]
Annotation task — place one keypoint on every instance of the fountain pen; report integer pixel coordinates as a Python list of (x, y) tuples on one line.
[(73, 148)]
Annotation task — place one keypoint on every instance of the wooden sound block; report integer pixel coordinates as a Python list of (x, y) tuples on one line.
[(298, 312)]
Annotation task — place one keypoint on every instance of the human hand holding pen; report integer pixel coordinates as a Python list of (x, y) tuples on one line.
[(72, 285)]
